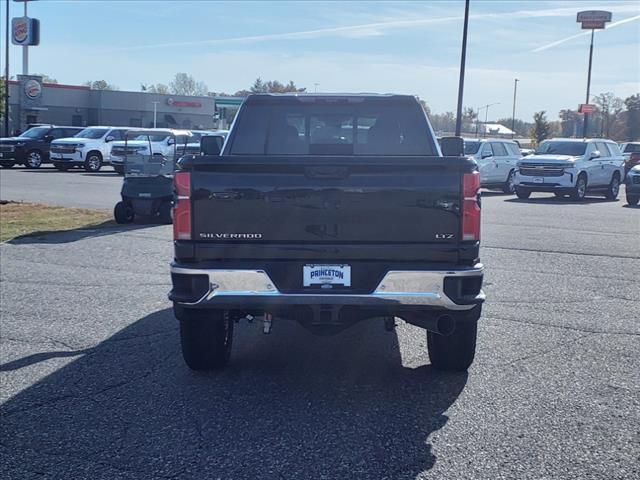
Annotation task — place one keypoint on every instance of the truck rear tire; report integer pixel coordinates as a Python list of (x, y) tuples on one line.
[(7, 164), (453, 353), (633, 199), (206, 337), (614, 188), (509, 186), (580, 190), (119, 169)]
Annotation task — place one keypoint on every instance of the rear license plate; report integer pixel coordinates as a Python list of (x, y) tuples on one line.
[(326, 275), (538, 180)]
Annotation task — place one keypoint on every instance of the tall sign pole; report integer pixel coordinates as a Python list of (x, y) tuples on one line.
[(25, 49), (6, 73), (463, 58), (585, 127), (591, 20)]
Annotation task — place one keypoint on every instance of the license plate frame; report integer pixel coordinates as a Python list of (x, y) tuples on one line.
[(326, 274), (538, 180)]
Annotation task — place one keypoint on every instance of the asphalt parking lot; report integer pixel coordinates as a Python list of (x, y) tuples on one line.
[(94, 386)]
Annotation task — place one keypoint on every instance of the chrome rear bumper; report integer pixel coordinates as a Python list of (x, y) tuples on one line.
[(424, 288)]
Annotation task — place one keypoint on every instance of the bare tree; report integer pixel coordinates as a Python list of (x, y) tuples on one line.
[(185, 84), (46, 78), (156, 88), (609, 107), (100, 85)]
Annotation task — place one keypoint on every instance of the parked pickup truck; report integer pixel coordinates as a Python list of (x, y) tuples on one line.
[(327, 210)]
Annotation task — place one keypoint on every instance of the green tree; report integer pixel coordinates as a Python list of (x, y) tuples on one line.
[(185, 84), (633, 117), (541, 129), (271, 86), (100, 85), (569, 120)]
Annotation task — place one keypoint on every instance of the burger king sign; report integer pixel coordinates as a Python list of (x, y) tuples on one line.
[(25, 31), (32, 88)]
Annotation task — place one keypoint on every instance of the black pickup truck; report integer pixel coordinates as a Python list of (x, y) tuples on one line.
[(327, 210)]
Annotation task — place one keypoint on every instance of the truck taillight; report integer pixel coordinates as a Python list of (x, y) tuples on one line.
[(182, 209), (471, 207)]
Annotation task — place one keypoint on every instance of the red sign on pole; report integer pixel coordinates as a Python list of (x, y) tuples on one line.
[(586, 108), (593, 19)]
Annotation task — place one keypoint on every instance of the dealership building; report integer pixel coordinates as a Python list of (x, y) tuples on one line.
[(32, 101)]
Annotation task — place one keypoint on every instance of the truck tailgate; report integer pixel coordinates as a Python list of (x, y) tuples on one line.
[(319, 201)]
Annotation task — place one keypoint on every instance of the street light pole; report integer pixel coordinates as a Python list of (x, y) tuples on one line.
[(513, 114), (6, 74), (586, 115), (155, 113), (463, 58)]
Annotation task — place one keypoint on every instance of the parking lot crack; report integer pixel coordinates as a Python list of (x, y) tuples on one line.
[(561, 252), (547, 351), (564, 327)]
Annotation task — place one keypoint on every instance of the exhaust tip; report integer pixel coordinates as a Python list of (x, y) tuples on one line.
[(445, 325)]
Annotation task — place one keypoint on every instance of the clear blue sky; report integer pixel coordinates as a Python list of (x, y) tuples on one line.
[(402, 47)]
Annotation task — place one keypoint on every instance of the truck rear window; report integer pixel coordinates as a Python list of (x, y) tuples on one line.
[(325, 129)]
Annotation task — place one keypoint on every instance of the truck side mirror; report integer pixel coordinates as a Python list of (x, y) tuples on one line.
[(594, 154), (110, 138), (48, 138), (452, 146)]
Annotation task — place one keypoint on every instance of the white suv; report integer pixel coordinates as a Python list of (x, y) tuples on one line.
[(570, 166), (90, 148), (497, 161), (162, 143)]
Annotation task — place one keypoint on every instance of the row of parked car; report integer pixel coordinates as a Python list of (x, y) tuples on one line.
[(90, 148), (562, 166)]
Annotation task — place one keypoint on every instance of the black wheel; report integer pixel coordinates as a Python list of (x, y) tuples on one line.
[(633, 199), (509, 186), (93, 162), (7, 164), (164, 212), (455, 352), (206, 337), (614, 188), (580, 190), (123, 213), (34, 159), (523, 193), (61, 167), (119, 169)]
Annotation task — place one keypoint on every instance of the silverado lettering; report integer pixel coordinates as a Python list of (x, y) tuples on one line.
[(404, 224)]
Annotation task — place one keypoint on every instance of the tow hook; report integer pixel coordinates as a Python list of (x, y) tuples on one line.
[(266, 323)]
